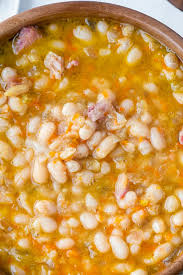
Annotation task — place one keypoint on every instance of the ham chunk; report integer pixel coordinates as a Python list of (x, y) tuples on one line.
[(26, 37), (99, 110), (55, 64)]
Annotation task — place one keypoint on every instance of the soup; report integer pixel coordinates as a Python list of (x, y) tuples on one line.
[(91, 150)]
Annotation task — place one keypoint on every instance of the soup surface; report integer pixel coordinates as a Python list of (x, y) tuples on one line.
[(91, 150)]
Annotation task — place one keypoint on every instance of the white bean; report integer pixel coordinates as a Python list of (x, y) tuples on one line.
[(24, 243), (8, 74), (21, 219), (73, 166), (22, 176), (65, 243), (128, 201), (45, 207), (110, 209), (6, 151), (134, 56), (4, 125), (123, 268), (63, 228), (48, 225), (67, 153), (171, 204), (127, 29), (19, 160), (106, 146), (23, 202), (146, 118), (57, 44), (177, 218), (57, 170), (93, 165), (158, 225), (83, 33), (124, 45), (87, 130), (124, 223), (135, 237), (151, 87), (42, 82), (105, 168), (104, 52), (86, 177), (88, 220), (134, 249), (178, 97), (16, 105), (138, 129), (138, 217), (82, 151), (145, 147), (127, 106), (139, 271), (45, 133), (119, 247), (91, 202), (53, 28), (101, 242), (69, 109), (113, 35), (73, 223), (14, 134), (107, 95), (179, 194), (16, 270), (157, 139), (63, 84), (3, 98), (154, 193), (40, 171), (102, 27), (162, 251), (34, 124), (171, 61), (95, 139), (76, 190)]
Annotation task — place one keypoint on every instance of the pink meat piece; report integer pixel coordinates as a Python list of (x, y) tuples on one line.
[(55, 64), (26, 37), (99, 110), (181, 137), (121, 187), (72, 63)]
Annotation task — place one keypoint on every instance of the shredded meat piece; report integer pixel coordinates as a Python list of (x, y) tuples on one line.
[(72, 63), (99, 110), (26, 37), (55, 64)]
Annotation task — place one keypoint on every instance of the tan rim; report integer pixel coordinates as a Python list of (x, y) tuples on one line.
[(73, 9)]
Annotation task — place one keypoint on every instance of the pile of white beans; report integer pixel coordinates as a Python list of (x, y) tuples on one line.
[(54, 161)]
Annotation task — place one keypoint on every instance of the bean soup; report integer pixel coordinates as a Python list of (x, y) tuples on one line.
[(91, 150)]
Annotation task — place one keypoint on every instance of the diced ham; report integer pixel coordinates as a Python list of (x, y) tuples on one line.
[(26, 37), (55, 64), (99, 110), (181, 137), (121, 186), (72, 63)]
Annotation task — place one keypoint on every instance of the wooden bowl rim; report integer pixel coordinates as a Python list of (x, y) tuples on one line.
[(159, 31)]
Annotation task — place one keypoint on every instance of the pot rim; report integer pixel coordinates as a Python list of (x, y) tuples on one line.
[(158, 30)]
